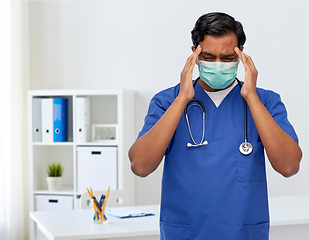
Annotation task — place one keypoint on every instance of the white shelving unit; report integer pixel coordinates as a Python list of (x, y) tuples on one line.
[(106, 107)]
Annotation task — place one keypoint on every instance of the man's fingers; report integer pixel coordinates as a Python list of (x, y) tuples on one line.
[(197, 52), (189, 64), (239, 53), (246, 60), (194, 56), (191, 60), (250, 61)]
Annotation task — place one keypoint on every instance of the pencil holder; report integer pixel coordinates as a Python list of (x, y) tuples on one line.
[(99, 216)]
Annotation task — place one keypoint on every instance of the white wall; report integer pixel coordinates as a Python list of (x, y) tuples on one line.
[(143, 45)]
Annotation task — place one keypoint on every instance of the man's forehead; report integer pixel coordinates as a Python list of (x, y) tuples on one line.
[(222, 44), (227, 52)]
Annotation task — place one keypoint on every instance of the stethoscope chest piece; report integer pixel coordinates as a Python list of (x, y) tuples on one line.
[(245, 148)]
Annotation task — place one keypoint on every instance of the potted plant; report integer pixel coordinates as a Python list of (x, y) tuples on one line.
[(54, 179)]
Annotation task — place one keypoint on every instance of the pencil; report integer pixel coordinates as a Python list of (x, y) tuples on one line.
[(89, 193), (94, 205), (98, 210), (105, 201)]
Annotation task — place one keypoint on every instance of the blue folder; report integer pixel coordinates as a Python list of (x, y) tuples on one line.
[(127, 212), (60, 114)]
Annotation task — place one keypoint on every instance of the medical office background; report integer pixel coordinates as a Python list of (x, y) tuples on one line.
[(142, 45)]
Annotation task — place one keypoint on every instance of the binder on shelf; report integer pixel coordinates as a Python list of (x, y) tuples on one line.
[(47, 120), (60, 118), (82, 111), (37, 120)]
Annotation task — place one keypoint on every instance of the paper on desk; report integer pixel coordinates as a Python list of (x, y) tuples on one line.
[(127, 212)]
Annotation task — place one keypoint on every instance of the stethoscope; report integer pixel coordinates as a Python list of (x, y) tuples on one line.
[(245, 148)]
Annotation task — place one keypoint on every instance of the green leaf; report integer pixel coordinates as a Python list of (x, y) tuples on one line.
[(55, 169)]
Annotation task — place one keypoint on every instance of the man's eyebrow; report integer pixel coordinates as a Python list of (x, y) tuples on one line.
[(228, 55), (221, 55), (207, 53)]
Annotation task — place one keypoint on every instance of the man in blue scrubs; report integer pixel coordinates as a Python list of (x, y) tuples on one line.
[(213, 191)]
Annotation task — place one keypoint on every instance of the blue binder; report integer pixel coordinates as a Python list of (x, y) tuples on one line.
[(60, 114)]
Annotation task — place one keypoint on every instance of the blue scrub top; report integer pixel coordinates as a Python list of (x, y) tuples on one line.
[(214, 192)]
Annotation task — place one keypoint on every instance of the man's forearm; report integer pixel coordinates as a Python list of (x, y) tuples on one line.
[(147, 152), (283, 152)]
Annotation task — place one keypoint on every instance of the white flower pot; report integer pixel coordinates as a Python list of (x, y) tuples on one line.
[(54, 183)]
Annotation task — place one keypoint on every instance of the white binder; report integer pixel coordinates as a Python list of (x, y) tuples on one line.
[(82, 111), (96, 168), (37, 120), (47, 120)]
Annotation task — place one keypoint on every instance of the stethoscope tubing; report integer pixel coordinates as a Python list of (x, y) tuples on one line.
[(245, 148), (245, 108)]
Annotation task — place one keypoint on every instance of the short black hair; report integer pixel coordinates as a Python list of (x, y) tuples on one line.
[(217, 24)]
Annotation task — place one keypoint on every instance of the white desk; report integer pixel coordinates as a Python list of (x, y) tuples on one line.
[(77, 224), (289, 220), (289, 210)]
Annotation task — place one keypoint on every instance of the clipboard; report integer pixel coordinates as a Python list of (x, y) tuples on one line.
[(127, 212)]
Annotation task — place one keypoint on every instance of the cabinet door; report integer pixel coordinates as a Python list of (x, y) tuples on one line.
[(96, 168), (53, 203)]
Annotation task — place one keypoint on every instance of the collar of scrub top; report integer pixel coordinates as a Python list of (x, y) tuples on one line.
[(245, 148)]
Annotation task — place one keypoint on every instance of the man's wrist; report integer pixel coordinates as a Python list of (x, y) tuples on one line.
[(252, 98), (183, 100)]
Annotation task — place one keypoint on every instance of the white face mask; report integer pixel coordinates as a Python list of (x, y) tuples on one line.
[(218, 75)]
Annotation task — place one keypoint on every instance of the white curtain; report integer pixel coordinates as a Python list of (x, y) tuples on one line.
[(13, 120)]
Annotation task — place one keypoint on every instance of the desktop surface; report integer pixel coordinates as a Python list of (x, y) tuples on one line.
[(287, 211), (78, 224)]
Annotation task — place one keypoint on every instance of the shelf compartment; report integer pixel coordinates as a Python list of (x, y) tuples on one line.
[(44, 155), (104, 109)]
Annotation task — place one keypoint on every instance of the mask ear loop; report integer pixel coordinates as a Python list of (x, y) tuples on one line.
[(245, 148)]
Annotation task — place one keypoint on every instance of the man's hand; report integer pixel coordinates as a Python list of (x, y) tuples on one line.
[(186, 88), (249, 87)]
